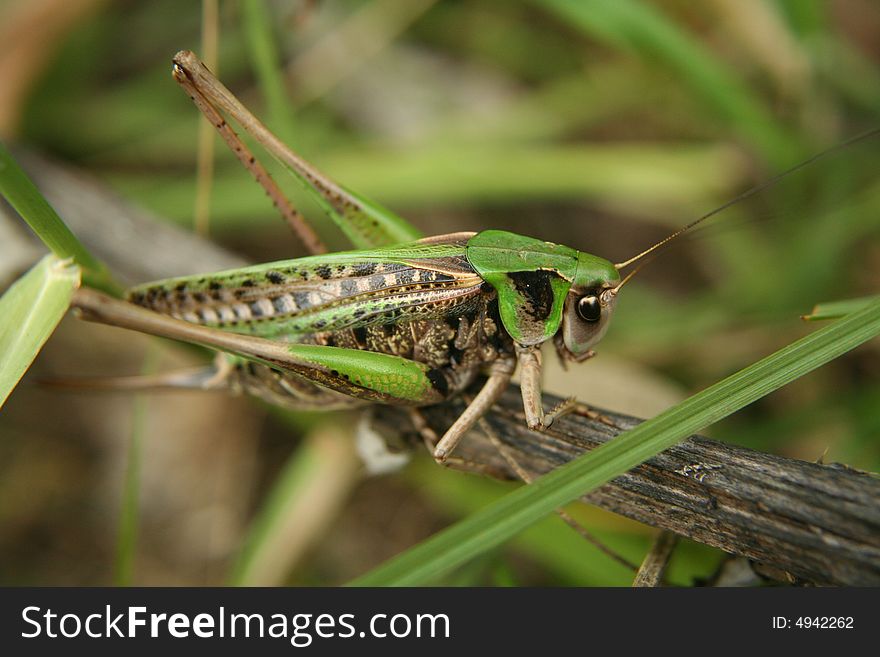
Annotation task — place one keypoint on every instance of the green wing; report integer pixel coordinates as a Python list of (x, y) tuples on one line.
[(323, 293)]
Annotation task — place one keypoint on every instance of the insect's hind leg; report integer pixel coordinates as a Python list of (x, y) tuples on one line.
[(366, 224), (194, 378), (295, 220)]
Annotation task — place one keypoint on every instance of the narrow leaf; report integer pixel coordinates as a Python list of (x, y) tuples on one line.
[(312, 487), (29, 312), (643, 28), (127, 532), (22, 195), (837, 309), (263, 50)]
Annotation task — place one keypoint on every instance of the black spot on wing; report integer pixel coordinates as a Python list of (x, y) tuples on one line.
[(275, 277), (364, 269)]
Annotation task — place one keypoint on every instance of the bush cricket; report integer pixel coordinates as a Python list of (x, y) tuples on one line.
[(402, 320)]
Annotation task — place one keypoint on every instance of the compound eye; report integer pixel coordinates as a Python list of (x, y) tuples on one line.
[(589, 309)]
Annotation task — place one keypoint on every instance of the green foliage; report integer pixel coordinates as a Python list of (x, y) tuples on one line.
[(291, 484), (18, 189), (29, 312), (838, 309), (127, 533), (642, 28)]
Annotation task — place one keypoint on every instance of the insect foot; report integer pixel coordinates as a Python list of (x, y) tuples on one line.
[(572, 406)]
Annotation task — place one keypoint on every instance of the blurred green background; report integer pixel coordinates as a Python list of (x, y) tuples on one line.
[(600, 124)]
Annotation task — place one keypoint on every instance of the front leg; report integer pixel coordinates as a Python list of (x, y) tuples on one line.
[(530, 385)]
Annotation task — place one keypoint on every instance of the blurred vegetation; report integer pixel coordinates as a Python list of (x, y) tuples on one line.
[(601, 124)]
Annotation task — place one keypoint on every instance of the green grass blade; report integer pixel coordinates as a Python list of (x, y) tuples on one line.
[(687, 178), (838, 309), (29, 311), (495, 524), (807, 17), (292, 480), (22, 195), (126, 537), (129, 512), (642, 28), (364, 222), (266, 63), (307, 494)]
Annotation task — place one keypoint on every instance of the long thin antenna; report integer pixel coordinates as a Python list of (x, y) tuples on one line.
[(749, 193), (628, 277)]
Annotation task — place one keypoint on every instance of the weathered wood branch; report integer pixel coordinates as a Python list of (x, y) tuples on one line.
[(800, 521)]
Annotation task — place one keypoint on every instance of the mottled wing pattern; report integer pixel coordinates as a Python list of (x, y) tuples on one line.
[(287, 299)]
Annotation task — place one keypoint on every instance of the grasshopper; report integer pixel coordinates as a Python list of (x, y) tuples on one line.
[(402, 320)]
